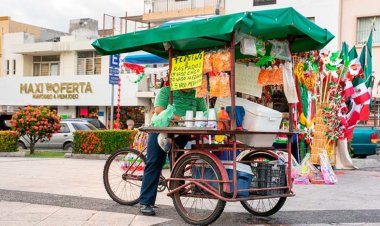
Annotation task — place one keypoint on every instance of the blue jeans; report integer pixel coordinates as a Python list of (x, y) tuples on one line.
[(156, 158)]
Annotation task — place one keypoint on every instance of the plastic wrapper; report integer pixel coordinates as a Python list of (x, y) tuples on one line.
[(207, 63), (140, 141), (224, 85), (248, 46), (163, 119), (278, 76), (214, 86), (201, 91), (260, 47), (280, 50), (327, 171), (221, 61), (302, 172)]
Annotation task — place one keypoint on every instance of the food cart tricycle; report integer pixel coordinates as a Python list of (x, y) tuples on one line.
[(200, 183)]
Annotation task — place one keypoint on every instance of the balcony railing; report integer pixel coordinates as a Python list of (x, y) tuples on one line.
[(159, 6)]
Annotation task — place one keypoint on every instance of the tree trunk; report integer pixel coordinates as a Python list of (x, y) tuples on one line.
[(32, 144)]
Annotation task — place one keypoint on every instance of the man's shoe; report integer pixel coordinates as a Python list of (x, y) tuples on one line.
[(147, 210)]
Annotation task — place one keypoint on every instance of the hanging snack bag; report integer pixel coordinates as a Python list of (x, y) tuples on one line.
[(248, 46), (221, 61), (224, 85), (207, 63), (201, 90), (214, 86), (263, 77), (280, 50)]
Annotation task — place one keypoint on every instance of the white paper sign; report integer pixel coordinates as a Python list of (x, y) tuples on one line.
[(246, 79)]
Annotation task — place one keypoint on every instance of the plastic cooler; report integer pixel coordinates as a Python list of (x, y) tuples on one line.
[(257, 118), (244, 176)]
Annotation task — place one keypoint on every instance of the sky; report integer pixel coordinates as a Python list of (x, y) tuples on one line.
[(56, 14)]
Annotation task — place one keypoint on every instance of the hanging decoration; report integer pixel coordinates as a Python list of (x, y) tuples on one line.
[(118, 103), (138, 69)]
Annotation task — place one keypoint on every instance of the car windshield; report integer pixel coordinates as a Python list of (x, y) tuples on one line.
[(82, 126)]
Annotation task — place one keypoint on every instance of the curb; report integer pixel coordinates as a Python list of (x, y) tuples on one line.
[(13, 154), (87, 156)]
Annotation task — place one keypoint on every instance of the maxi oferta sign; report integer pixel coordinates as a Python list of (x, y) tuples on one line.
[(58, 90)]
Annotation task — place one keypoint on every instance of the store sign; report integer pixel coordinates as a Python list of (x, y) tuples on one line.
[(58, 90), (186, 71)]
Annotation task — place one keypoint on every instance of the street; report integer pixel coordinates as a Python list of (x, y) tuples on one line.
[(36, 191)]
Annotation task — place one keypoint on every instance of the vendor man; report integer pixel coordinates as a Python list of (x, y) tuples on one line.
[(184, 100)]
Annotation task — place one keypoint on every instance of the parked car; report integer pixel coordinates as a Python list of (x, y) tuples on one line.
[(95, 122), (365, 141), (61, 140)]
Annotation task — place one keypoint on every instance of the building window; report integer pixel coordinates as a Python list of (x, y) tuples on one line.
[(46, 65), (263, 2), (89, 63), (14, 67), (364, 28), (7, 67)]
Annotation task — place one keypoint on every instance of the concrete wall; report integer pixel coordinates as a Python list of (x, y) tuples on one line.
[(325, 12), (351, 11)]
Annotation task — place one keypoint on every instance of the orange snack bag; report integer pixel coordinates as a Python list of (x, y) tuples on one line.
[(207, 63), (263, 77), (214, 86), (221, 61), (201, 90), (225, 90)]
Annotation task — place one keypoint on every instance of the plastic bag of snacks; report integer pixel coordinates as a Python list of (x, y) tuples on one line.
[(201, 91), (214, 86), (278, 77), (207, 63), (280, 50), (248, 46), (221, 61), (327, 171), (263, 77), (224, 85)]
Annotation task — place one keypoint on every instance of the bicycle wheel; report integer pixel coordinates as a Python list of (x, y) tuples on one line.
[(263, 207), (122, 176), (194, 204)]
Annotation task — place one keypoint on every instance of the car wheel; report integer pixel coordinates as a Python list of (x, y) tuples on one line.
[(68, 147), (21, 145)]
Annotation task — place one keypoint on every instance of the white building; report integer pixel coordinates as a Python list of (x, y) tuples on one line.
[(66, 74)]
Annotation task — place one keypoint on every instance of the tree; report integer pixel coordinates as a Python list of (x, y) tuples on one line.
[(36, 123)]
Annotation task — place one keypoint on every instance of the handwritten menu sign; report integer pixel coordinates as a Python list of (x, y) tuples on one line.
[(246, 79), (186, 71)]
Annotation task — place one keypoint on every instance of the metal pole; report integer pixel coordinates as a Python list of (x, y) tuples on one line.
[(232, 82), (112, 104), (170, 71)]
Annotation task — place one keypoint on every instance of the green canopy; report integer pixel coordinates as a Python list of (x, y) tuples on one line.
[(285, 23)]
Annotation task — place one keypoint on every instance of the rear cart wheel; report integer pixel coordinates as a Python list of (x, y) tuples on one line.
[(194, 204), (263, 207), (122, 176)]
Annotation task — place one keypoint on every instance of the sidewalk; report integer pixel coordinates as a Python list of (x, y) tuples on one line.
[(75, 187)]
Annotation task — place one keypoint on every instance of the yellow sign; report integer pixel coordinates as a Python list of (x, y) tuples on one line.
[(186, 71), (63, 90)]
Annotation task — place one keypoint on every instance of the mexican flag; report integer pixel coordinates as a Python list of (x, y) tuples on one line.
[(366, 62), (362, 82)]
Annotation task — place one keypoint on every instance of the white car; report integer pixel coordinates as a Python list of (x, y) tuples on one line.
[(62, 139)]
